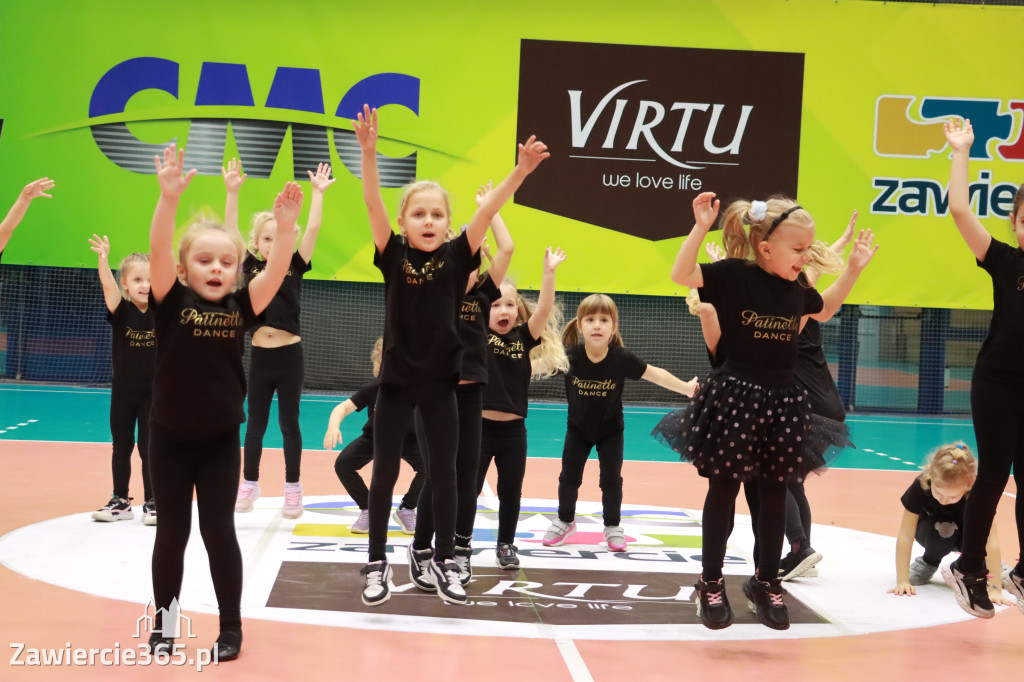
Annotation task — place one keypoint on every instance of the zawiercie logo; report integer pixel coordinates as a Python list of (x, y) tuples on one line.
[(637, 131)]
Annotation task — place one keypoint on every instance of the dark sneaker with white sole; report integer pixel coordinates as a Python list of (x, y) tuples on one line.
[(765, 600)]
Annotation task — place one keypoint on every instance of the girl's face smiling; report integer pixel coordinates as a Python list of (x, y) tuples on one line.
[(425, 220), (787, 250), (135, 282), (504, 310)]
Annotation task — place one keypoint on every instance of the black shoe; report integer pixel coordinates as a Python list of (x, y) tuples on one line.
[(970, 590), (463, 559), (227, 647), (507, 556), (159, 645), (419, 568), (765, 600), (446, 578), (797, 564), (713, 604)]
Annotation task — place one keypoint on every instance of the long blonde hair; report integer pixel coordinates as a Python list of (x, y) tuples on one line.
[(595, 304), (950, 465), (548, 357), (741, 243)]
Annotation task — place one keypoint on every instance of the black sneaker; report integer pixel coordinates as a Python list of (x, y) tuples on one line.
[(419, 568), (765, 600), (713, 604), (160, 645), (446, 579), (117, 509), (798, 564), (378, 582), (149, 513), (507, 556), (970, 590), (227, 647), (463, 559), (1014, 584)]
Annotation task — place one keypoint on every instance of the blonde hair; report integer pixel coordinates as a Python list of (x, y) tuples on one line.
[(595, 304), (423, 186), (207, 223), (950, 465), (548, 357), (128, 261), (824, 259), (377, 354), (258, 221), (740, 243)]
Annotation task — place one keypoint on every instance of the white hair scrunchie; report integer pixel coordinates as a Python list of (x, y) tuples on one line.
[(758, 210)]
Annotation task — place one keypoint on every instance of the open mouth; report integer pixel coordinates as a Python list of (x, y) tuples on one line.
[(503, 325)]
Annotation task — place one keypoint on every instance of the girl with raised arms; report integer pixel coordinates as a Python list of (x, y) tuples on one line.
[(425, 277), (199, 388)]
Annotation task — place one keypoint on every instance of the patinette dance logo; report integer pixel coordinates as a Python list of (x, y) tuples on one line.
[(258, 139), (908, 128), (638, 131)]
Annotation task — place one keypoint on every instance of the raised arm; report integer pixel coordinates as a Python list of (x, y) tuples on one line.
[(111, 292), (173, 181), (320, 180), (665, 379), (685, 270), (263, 287), (531, 153), (960, 136), (233, 179), (546, 301), (502, 240), (366, 135), (32, 190), (338, 414), (863, 251)]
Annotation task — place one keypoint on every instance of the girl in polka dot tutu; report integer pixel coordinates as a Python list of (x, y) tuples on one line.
[(751, 422)]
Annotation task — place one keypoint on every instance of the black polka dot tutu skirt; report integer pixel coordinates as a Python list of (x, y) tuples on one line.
[(742, 430)]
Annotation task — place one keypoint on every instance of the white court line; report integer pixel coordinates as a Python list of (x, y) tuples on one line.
[(1010, 495), (573, 661)]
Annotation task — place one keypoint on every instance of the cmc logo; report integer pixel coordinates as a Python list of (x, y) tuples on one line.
[(635, 134), (903, 130), (258, 141)]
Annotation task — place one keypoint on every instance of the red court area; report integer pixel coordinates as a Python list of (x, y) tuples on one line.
[(46, 480)]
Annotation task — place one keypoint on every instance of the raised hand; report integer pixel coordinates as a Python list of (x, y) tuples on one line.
[(288, 204), (847, 235), (705, 209), (959, 134), (863, 250), (170, 173), (553, 257), (101, 245), (366, 128), (233, 175), (322, 179), (531, 153), (714, 251), (482, 193), (38, 188)]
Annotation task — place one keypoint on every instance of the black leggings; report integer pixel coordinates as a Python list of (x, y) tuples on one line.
[(767, 502), (395, 405), (129, 405), (282, 370), (469, 401), (359, 453), (937, 538), (798, 514), (574, 457), (211, 468), (997, 406), (505, 443)]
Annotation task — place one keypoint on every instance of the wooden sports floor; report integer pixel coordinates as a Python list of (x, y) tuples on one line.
[(47, 475)]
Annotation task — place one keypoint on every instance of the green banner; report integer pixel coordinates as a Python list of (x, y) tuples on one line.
[(645, 104)]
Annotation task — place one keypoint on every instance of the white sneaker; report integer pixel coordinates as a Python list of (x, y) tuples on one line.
[(377, 589), (248, 493), (558, 532), (292, 508)]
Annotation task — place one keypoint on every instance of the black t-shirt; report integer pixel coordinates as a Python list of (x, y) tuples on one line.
[(133, 344), (812, 373), (423, 294), (919, 501), (1001, 350), (199, 385), (366, 397), (283, 310), (509, 370), (759, 312), (473, 320), (594, 391)]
